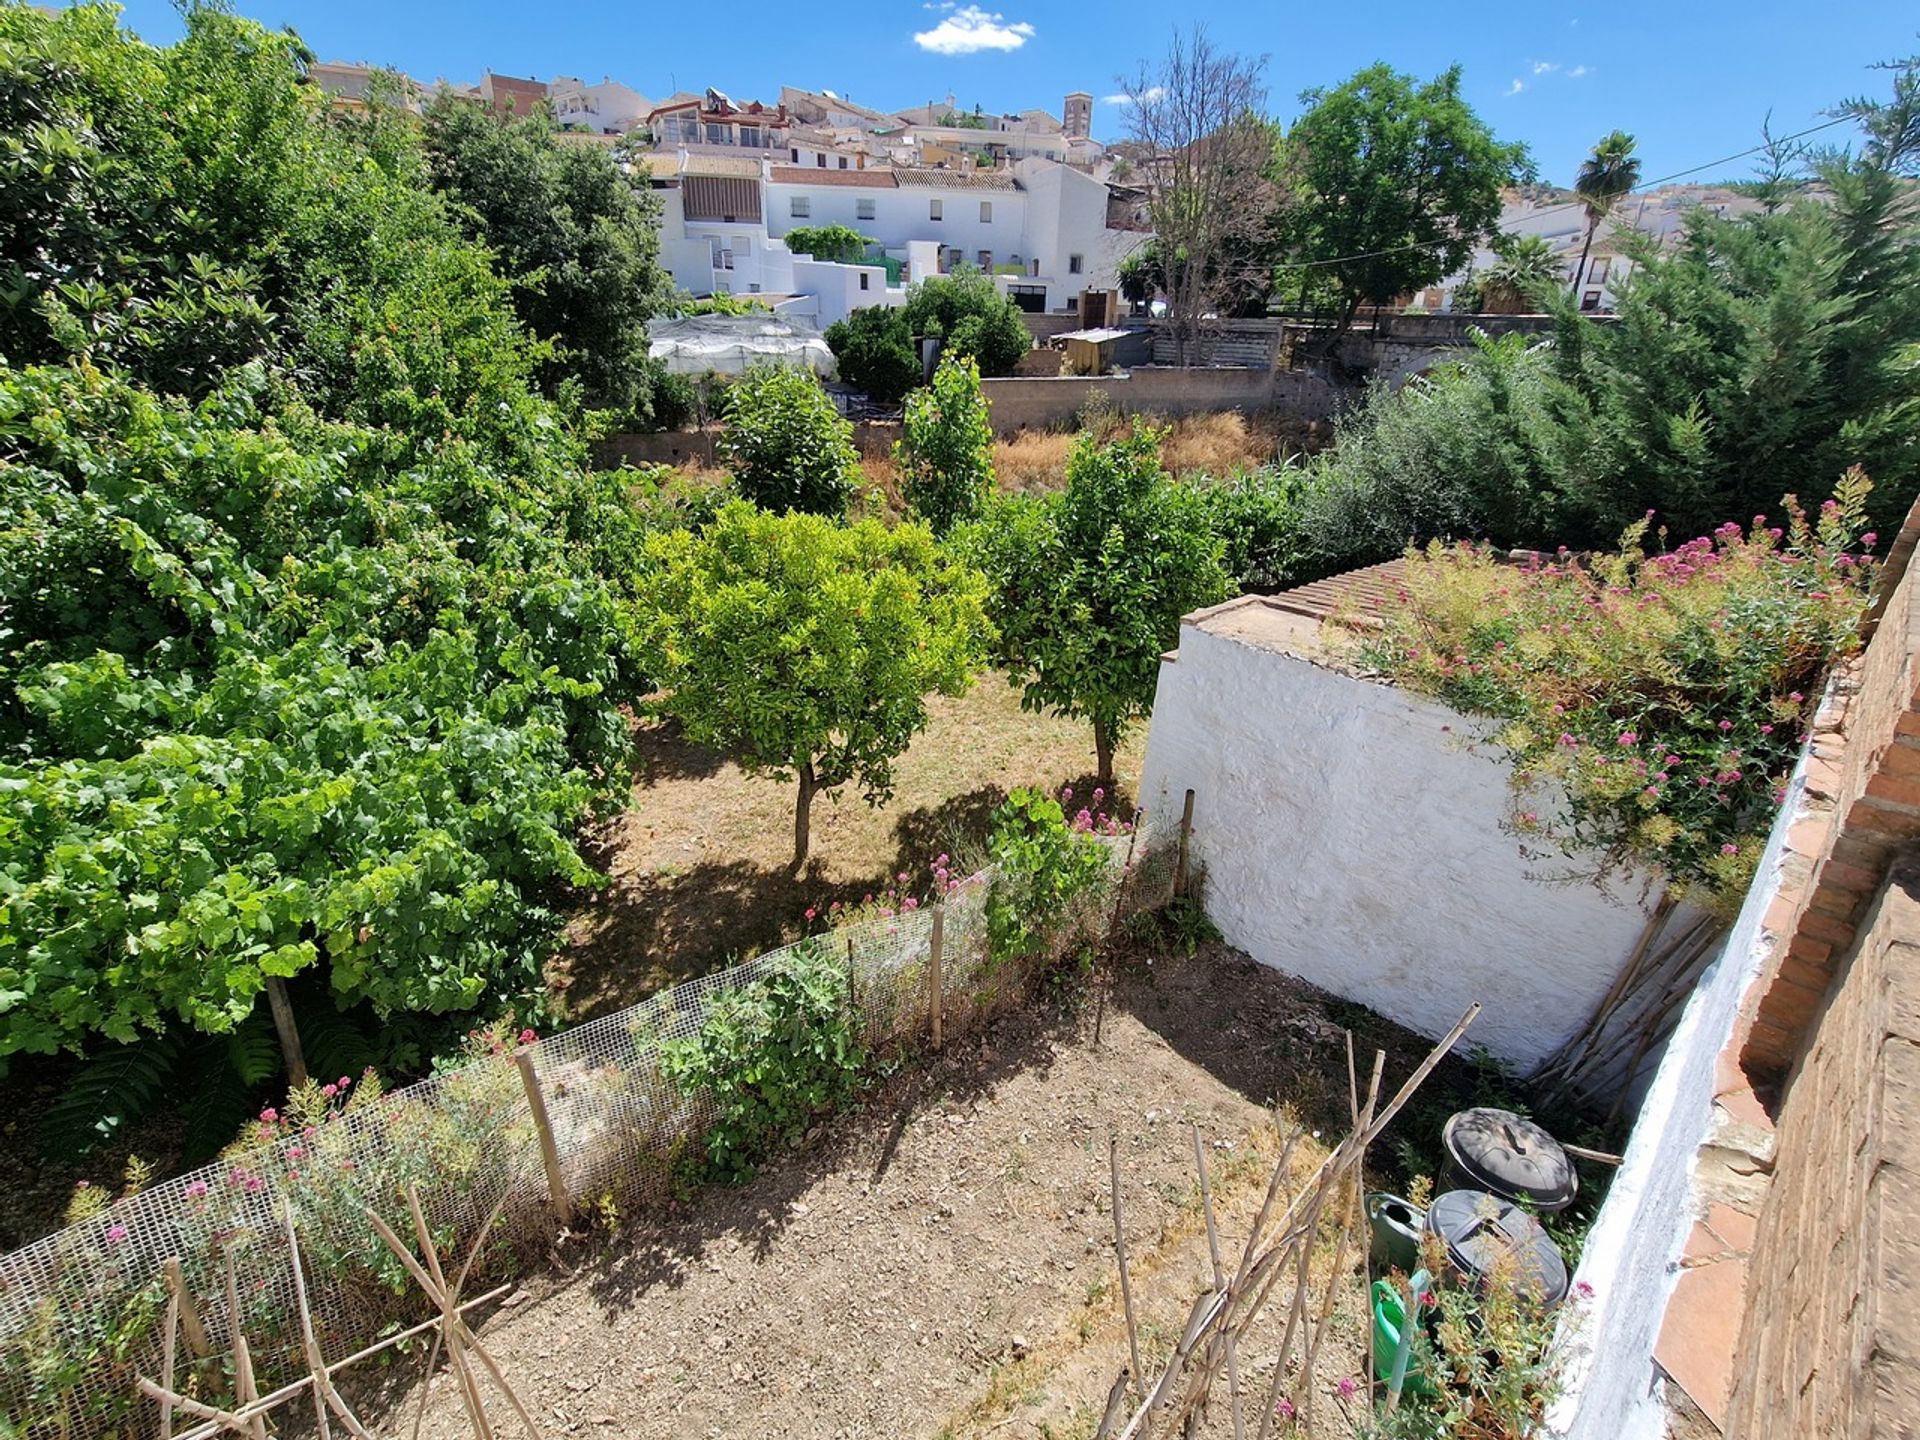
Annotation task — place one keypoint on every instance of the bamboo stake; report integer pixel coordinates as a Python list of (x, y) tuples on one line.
[(456, 1351), (308, 1343), (1120, 1257), (1359, 1206), (543, 1128), (191, 1325), (1116, 1405), (243, 1381), (1219, 1283), (170, 1335), (935, 942)]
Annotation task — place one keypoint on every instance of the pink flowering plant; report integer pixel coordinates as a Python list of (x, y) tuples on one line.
[(1048, 862), (1652, 704)]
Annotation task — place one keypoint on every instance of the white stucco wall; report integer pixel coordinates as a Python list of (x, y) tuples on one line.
[(1633, 1252), (1350, 837)]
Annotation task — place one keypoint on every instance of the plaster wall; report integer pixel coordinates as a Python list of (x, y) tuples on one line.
[(1350, 837)]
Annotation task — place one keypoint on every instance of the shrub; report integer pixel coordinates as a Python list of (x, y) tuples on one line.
[(971, 317), (774, 1054), (1257, 518), (875, 350), (1663, 696), (788, 447), (1480, 449), (945, 452), (1046, 868), (829, 242)]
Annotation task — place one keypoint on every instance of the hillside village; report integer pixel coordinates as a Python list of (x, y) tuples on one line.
[(767, 767), (1030, 198)]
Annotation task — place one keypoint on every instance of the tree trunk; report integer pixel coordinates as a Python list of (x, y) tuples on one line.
[(1103, 754), (1593, 224), (282, 1009), (802, 816)]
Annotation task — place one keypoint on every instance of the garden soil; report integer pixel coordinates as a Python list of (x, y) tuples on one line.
[(939, 1261)]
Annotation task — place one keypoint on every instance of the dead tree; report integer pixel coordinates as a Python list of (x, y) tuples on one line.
[(1205, 158)]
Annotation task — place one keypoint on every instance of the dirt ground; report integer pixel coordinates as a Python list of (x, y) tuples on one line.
[(939, 1263), (699, 860)]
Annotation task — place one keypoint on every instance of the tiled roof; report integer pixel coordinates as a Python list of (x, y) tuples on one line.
[(956, 179), (733, 166), (806, 175), (1355, 593)]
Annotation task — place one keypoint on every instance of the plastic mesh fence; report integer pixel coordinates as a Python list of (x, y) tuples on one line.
[(81, 1309)]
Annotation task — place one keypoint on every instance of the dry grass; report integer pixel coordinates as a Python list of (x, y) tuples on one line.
[(1215, 444), (698, 861)]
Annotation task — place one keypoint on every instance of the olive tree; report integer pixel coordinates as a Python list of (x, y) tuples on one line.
[(1089, 585), (807, 649)]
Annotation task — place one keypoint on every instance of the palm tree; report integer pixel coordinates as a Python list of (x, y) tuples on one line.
[(1525, 270), (1610, 172)]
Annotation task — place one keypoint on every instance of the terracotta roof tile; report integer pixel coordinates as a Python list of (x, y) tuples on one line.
[(803, 175), (956, 179), (1355, 593)]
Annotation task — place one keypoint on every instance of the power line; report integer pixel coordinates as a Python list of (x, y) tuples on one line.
[(1576, 204)]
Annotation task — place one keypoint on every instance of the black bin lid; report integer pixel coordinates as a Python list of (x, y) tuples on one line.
[(1511, 1156), (1482, 1231)]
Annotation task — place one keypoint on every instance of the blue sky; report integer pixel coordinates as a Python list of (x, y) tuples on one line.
[(1692, 79)]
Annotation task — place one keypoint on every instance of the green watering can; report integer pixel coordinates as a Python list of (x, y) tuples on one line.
[(1393, 1336)]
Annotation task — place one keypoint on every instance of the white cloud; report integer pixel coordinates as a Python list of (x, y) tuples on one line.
[(1577, 71), (1544, 67), (1151, 93), (1516, 87), (970, 30)]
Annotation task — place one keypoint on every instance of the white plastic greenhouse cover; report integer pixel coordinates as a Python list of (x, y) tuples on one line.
[(730, 344)]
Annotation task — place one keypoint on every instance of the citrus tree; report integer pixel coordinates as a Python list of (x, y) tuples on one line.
[(788, 447), (1089, 585), (945, 453), (807, 649)]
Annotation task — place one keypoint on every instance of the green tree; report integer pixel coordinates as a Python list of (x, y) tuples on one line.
[(1607, 175), (788, 447), (1892, 125), (945, 453), (1089, 584), (1393, 183), (576, 233), (970, 317), (828, 242), (807, 649), (875, 350), (318, 629)]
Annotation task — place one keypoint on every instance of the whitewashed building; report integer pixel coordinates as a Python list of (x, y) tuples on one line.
[(1559, 218)]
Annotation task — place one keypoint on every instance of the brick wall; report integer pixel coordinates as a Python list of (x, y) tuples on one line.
[(1828, 1346), (1870, 776)]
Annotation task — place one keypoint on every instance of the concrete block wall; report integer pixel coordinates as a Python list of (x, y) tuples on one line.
[(1828, 1345), (1041, 402)]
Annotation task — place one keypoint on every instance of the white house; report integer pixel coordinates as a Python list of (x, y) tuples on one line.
[(608, 108), (1559, 218)]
